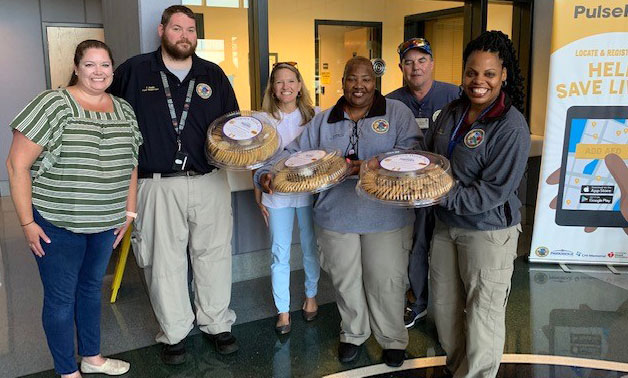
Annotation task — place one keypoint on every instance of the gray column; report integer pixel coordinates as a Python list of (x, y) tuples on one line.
[(131, 26)]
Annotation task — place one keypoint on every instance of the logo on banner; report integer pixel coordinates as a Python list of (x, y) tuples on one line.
[(611, 255), (542, 251), (474, 138), (203, 90), (380, 126)]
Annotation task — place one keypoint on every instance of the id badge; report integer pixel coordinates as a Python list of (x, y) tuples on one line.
[(424, 123), (352, 155), (180, 161)]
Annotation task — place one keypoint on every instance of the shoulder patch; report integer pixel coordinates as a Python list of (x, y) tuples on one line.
[(435, 115), (474, 138), (203, 90), (380, 126)]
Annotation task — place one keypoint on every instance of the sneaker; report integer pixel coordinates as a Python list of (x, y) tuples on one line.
[(110, 367), (224, 342), (348, 352), (173, 354), (394, 357), (410, 317)]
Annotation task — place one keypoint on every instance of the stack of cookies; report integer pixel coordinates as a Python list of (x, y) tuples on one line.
[(242, 140), (309, 172), (406, 178)]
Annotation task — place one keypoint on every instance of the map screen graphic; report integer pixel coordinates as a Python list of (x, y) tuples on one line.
[(588, 185)]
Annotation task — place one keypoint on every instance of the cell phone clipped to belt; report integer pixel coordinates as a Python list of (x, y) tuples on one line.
[(180, 161)]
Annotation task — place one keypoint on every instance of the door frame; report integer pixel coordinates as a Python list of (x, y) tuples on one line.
[(377, 50)]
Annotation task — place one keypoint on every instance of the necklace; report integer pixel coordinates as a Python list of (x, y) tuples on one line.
[(353, 118)]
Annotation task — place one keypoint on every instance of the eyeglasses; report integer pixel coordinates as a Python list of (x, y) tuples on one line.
[(420, 43), (293, 64)]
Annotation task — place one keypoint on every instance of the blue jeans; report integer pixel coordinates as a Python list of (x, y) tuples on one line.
[(280, 224), (71, 272)]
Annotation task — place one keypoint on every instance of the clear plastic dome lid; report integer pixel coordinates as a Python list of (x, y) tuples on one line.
[(405, 178), (310, 171), (242, 140)]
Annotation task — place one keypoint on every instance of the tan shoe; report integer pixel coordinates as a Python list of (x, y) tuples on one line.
[(110, 367)]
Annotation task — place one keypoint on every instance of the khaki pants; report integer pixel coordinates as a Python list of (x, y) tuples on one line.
[(470, 274), (177, 214), (369, 274)]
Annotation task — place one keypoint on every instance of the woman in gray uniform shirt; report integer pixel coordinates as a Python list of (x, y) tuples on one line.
[(364, 245), (475, 240)]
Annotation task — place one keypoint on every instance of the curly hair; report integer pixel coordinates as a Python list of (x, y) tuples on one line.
[(497, 42)]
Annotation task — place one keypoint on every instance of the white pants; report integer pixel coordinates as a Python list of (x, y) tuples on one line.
[(177, 214)]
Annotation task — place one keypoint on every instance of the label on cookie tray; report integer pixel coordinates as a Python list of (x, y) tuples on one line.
[(304, 157), (242, 128), (405, 163)]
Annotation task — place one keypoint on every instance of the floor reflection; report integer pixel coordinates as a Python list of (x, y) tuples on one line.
[(579, 313)]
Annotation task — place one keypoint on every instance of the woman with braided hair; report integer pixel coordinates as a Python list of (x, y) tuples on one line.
[(487, 140)]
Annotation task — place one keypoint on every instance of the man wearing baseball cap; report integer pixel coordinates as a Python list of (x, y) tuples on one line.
[(425, 97)]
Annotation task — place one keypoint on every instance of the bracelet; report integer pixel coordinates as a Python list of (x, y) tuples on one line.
[(131, 214), (26, 224)]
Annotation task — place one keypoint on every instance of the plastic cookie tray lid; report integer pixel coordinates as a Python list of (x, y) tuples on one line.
[(310, 171), (405, 178), (242, 140)]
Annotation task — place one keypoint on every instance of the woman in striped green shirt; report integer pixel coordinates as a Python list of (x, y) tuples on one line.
[(73, 175)]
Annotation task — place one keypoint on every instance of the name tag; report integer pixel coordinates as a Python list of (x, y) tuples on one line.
[(150, 88), (423, 123)]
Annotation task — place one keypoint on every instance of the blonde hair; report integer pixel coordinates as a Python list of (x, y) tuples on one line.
[(270, 104)]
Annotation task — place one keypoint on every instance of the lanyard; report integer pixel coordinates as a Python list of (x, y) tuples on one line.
[(178, 125), (354, 138), (453, 140)]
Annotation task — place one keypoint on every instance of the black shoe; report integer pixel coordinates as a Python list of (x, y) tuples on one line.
[(224, 342), (284, 329), (410, 316), (173, 354), (348, 352), (394, 357)]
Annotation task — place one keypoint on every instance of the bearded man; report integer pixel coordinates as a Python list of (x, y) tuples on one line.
[(184, 203)]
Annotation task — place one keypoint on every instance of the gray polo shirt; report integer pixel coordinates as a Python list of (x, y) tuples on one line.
[(389, 125), (438, 96)]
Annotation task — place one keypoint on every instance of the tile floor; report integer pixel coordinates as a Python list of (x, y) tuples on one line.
[(550, 312)]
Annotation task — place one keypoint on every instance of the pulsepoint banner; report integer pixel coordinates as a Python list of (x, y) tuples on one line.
[(582, 206)]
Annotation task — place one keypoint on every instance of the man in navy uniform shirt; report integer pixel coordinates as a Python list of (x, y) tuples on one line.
[(425, 97), (184, 203)]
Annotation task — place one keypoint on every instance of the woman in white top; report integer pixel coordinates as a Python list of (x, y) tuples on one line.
[(287, 100)]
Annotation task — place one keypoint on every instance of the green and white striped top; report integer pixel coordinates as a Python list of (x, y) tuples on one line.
[(81, 179)]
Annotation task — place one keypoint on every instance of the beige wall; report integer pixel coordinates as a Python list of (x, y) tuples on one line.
[(291, 34), (291, 28), (332, 52), (445, 36), (499, 17), (229, 25)]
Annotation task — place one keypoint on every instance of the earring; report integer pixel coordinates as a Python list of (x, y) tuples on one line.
[(504, 83)]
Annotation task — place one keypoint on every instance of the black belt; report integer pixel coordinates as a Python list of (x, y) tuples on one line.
[(144, 175)]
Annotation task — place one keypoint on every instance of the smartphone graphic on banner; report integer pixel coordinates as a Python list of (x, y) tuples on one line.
[(588, 194)]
